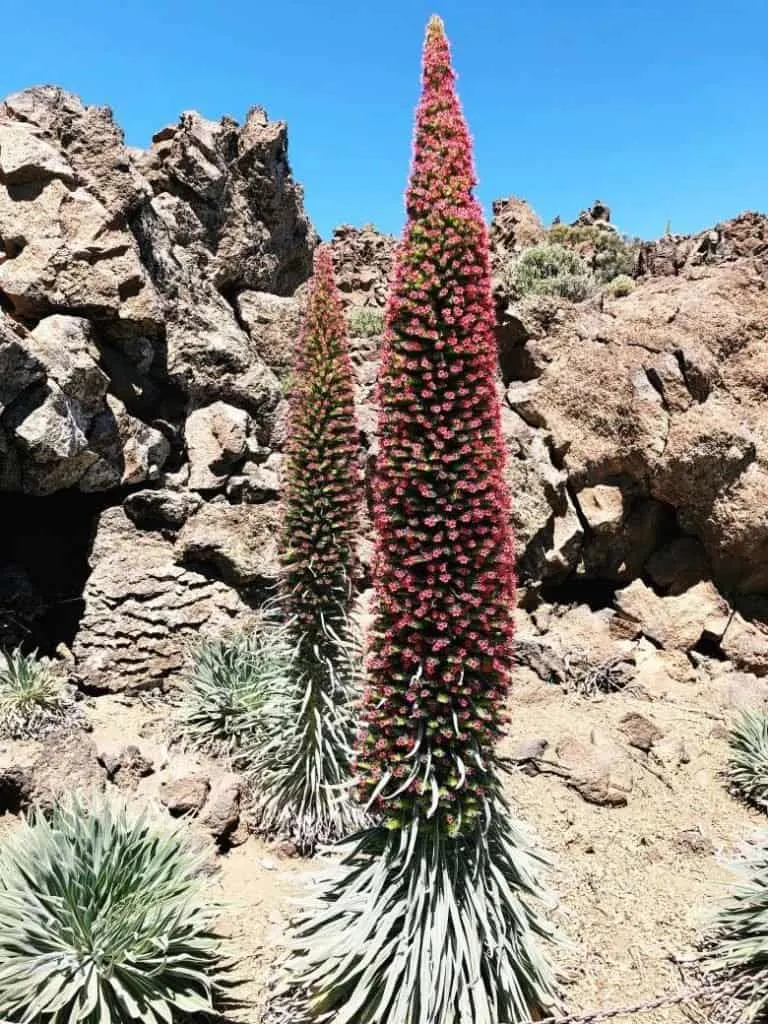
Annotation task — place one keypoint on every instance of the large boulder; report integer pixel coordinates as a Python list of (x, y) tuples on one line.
[(65, 347), (161, 509), (242, 211), (50, 431), (746, 644), (237, 542), (66, 190), (515, 226), (67, 257), (210, 357), (142, 609), (217, 437), (60, 427), (273, 323), (88, 138), (26, 157), (129, 450), (59, 445), (675, 622)]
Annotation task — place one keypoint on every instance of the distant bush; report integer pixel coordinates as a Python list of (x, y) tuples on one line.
[(748, 761), (607, 253), (365, 322), (32, 699), (550, 270), (103, 919), (620, 286), (231, 686)]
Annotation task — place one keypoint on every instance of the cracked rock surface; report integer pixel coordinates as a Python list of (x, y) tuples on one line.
[(150, 309)]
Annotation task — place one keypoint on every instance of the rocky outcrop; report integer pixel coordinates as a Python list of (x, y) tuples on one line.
[(217, 439), (121, 272), (746, 644), (273, 323), (231, 198), (638, 438), (746, 236), (142, 297), (652, 405), (598, 213), (150, 309), (363, 263), (515, 226)]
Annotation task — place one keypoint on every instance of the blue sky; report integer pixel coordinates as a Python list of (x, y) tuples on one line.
[(657, 107)]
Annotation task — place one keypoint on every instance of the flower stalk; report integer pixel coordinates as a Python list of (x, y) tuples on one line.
[(302, 773), (433, 917)]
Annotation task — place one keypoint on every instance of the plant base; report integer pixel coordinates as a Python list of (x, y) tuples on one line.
[(301, 774), (419, 928)]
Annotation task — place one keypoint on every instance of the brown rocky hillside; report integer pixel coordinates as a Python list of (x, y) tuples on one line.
[(149, 309)]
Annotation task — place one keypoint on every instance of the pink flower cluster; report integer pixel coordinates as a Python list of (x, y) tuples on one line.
[(323, 485), (441, 653)]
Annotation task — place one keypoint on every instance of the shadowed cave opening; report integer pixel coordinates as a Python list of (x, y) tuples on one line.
[(709, 646), (44, 547), (595, 593)]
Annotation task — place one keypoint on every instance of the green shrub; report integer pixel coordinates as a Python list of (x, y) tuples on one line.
[(33, 700), (550, 270), (606, 253), (365, 322), (103, 920), (737, 950), (231, 687), (748, 762), (620, 286)]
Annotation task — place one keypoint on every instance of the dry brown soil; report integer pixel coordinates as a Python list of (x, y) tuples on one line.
[(630, 892)]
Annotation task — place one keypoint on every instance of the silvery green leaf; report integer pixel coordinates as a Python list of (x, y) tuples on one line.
[(97, 877)]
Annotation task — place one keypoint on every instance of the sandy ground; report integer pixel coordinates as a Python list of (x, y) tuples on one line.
[(630, 893)]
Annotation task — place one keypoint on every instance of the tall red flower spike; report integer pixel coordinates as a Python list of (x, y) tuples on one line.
[(301, 774), (444, 570), (431, 920), (323, 487)]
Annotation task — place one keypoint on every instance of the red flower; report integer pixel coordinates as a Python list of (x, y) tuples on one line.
[(445, 584)]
